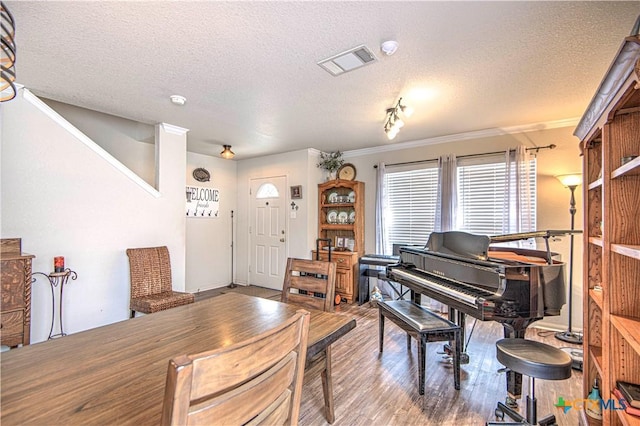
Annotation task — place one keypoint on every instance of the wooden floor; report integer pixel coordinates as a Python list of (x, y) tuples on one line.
[(374, 389)]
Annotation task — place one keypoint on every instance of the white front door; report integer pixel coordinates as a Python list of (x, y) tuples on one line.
[(267, 238)]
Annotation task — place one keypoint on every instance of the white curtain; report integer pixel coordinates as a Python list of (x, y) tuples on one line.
[(447, 201), (381, 202), (381, 231), (517, 201)]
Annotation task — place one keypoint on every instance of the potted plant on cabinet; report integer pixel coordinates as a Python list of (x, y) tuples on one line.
[(330, 162)]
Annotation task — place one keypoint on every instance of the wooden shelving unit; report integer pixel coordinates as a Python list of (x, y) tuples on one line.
[(610, 133), (341, 218)]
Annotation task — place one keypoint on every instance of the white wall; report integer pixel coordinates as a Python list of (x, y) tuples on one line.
[(131, 142), (209, 240), (62, 198)]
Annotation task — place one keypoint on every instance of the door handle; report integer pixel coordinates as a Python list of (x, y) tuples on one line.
[(282, 240)]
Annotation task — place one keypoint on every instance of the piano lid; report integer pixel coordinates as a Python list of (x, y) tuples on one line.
[(459, 243), (476, 247), (533, 234)]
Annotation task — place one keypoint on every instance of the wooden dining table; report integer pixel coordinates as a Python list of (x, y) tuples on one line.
[(116, 374)]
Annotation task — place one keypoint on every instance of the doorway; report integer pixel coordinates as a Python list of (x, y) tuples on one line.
[(267, 232)]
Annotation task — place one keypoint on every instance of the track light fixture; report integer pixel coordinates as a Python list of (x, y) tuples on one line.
[(394, 123), (227, 153)]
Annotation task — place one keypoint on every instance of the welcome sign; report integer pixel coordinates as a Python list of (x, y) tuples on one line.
[(203, 202)]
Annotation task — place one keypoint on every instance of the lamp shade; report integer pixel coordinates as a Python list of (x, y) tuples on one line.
[(574, 179), (226, 152)]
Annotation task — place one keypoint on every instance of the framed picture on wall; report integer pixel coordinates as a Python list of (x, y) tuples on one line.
[(296, 192)]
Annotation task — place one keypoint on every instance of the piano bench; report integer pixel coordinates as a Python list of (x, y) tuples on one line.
[(424, 326)]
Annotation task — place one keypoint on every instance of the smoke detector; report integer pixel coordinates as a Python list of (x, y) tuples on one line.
[(389, 47), (178, 100)]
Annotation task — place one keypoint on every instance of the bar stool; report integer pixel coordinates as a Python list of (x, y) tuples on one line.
[(538, 361)]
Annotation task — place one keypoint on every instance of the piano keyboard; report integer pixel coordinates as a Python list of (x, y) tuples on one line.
[(379, 259), (467, 296)]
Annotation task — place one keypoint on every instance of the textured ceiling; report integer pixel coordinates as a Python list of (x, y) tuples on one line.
[(249, 73)]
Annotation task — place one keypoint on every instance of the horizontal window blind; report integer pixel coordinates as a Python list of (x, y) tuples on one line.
[(481, 198), (410, 212), (482, 204)]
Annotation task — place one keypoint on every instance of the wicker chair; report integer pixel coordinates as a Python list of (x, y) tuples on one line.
[(258, 381), (151, 289), (314, 282)]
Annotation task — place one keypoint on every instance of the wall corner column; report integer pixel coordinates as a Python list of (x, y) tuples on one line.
[(171, 167)]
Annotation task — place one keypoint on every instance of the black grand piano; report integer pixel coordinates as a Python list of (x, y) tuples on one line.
[(512, 286)]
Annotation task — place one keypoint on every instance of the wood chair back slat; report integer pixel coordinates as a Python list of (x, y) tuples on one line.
[(231, 407), (313, 282), (257, 381)]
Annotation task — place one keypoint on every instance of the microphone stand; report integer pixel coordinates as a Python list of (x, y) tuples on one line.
[(232, 284)]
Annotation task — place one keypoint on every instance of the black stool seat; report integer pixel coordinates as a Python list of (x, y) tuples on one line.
[(538, 361), (534, 359)]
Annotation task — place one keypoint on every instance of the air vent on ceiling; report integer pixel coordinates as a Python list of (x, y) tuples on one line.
[(348, 61)]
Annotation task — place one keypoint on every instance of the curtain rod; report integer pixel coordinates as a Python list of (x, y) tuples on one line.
[(536, 149)]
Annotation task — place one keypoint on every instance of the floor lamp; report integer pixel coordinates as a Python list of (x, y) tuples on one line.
[(570, 181)]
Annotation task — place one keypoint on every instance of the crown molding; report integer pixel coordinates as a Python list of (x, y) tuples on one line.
[(174, 130), (478, 134)]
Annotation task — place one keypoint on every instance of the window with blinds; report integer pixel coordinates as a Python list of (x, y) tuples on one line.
[(482, 205), (410, 212), (482, 201)]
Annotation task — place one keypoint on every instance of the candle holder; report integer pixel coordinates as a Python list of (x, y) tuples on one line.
[(57, 279), (58, 264)]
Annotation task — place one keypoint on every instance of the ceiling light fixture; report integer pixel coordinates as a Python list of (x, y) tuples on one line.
[(394, 123), (8, 58), (389, 47), (227, 153), (178, 100)]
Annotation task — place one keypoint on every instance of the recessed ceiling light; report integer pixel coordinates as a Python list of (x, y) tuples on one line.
[(178, 100)]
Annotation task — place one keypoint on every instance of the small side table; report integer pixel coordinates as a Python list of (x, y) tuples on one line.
[(57, 279)]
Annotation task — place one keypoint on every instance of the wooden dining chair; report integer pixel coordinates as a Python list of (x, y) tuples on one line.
[(312, 284), (257, 381), (151, 287)]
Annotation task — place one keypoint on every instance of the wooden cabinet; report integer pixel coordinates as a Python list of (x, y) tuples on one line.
[(15, 307), (341, 219), (610, 134), (346, 272)]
